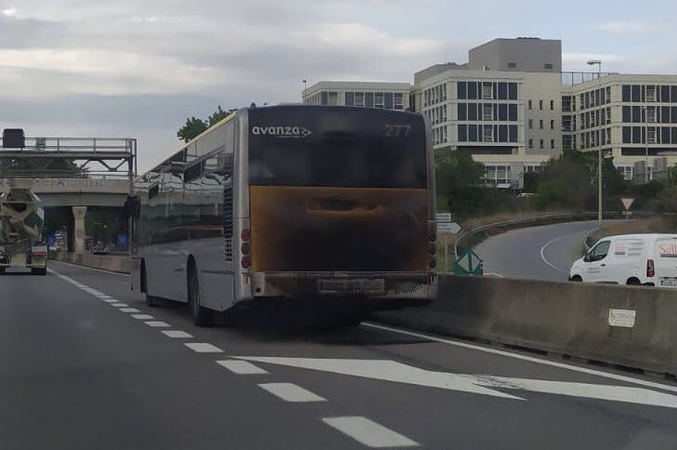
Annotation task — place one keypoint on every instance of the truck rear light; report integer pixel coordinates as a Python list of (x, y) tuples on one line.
[(246, 262), (245, 235), (650, 268)]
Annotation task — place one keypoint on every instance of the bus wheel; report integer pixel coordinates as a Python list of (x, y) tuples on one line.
[(202, 317)]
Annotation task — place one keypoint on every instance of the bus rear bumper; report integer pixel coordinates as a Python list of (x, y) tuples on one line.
[(398, 287)]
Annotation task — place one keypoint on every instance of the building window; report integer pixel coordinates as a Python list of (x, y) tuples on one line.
[(552, 144), (512, 65), (399, 100), (369, 99), (332, 98), (650, 115), (350, 98), (488, 111), (388, 97), (487, 91), (531, 104), (359, 98), (651, 136), (548, 66), (462, 111), (552, 124), (531, 124), (552, 105), (540, 104), (512, 92), (531, 143), (488, 133), (651, 93), (463, 133), (541, 144), (512, 113), (512, 133), (379, 100)]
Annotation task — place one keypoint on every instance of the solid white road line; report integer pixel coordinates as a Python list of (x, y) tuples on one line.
[(157, 324), (242, 367), (520, 357), (142, 316), (202, 347), (555, 240), (130, 310), (290, 392), (177, 334), (369, 433)]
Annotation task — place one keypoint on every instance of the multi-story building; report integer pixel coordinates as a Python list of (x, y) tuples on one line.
[(513, 109), (630, 117), (352, 93)]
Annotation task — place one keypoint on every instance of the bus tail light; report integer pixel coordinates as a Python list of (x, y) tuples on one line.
[(40, 254), (432, 263), (246, 262), (432, 249), (245, 248), (245, 235), (650, 268)]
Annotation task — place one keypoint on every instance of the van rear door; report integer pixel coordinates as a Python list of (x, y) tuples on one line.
[(665, 261)]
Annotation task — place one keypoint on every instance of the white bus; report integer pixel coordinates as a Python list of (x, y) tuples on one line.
[(292, 201)]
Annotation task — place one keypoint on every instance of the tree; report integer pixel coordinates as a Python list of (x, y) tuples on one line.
[(460, 185), (195, 126), (42, 167)]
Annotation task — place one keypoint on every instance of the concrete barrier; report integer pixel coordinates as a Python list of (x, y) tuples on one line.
[(114, 263), (592, 322)]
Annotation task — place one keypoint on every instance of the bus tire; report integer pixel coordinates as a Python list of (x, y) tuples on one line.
[(151, 300), (202, 317)]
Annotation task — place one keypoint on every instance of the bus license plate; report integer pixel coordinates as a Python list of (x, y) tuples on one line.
[(669, 282), (357, 286)]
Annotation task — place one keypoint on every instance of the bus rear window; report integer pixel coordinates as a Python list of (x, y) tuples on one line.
[(340, 148)]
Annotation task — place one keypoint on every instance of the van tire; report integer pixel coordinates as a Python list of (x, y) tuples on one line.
[(202, 317), (576, 279), (633, 282)]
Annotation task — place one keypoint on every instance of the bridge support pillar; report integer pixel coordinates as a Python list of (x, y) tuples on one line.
[(79, 213)]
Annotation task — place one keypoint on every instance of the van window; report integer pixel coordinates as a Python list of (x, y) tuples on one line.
[(666, 248), (600, 251)]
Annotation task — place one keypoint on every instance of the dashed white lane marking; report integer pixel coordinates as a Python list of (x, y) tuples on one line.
[(177, 334), (142, 316), (242, 367), (532, 359), (157, 324), (130, 310), (111, 300), (119, 305), (202, 347), (369, 433), (291, 392)]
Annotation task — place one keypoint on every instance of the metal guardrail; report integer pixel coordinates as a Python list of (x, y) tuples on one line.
[(470, 235)]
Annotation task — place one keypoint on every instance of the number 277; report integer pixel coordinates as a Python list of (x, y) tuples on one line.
[(397, 131)]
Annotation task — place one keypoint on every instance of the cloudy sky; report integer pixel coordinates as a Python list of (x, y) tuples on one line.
[(132, 68)]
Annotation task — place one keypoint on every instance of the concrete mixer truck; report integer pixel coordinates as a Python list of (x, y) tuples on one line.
[(21, 222)]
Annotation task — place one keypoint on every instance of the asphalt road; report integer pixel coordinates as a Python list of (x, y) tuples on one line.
[(536, 253), (85, 364)]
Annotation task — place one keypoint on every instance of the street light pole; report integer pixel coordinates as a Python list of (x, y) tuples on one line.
[(305, 88), (598, 63)]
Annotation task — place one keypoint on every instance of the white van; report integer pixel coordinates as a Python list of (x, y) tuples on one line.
[(649, 259)]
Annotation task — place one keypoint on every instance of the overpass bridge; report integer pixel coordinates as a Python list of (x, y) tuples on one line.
[(70, 172)]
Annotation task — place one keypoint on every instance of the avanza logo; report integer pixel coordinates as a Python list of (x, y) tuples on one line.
[(282, 132)]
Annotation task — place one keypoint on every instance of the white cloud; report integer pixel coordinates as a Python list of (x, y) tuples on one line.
[(9, 12), (629, 27)]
